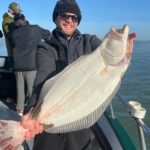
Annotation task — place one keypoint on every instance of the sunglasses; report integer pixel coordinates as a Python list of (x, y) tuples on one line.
[(66, 16)]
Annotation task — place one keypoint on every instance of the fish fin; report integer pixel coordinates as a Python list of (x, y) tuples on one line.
[(104, 71)]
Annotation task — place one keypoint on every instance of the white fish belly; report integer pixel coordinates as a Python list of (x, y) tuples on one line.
[(68, 82), (79, 96)]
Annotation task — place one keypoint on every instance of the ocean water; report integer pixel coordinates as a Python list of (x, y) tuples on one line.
[(135, 86)]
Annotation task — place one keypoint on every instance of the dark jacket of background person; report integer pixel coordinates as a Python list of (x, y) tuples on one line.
[(25, 39), (1, 34), (7, 25), (52, 57)]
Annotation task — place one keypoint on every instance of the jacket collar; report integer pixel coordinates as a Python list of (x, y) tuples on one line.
[(59, 34)]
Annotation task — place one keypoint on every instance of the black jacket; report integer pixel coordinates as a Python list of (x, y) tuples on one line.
[(55, 54), (25, 42), (52, 57)]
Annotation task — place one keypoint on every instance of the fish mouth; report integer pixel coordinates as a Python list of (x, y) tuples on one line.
[(126, 59), (116, 49), (118, 34), (121, 31)]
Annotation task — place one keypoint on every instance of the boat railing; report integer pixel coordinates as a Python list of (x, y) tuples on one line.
[(138, 113)]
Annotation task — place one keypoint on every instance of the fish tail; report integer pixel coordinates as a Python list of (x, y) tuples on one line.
[(11, 134)]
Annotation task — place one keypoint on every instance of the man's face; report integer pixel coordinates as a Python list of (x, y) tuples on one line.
[(11, 11), (67, 23)]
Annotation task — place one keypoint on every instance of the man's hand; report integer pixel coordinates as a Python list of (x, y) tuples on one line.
[(130, 46), (33, 126), (131, 38)]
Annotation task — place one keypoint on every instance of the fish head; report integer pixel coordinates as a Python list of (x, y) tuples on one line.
[(115, 45)]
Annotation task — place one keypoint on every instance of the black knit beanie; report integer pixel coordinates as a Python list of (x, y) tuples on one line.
[(67, 6)]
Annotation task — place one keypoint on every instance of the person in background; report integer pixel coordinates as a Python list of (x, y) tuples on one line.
[(1, 34), (65, 46), (25, 40), (7, 26)]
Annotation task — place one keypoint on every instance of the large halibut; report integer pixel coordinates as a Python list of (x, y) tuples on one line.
[(78, 96)]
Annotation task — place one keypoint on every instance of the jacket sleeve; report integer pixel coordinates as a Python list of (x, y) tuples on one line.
[(45, 63), (45, 34), (90, 42), (46, 68), (95, 42)]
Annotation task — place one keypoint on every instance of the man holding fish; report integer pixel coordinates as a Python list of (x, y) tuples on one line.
[(69, 44)]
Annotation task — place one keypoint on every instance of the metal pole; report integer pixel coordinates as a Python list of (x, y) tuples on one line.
[(141, 136), (112, 111), (138, 113)]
